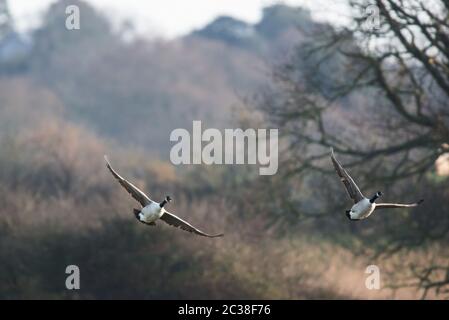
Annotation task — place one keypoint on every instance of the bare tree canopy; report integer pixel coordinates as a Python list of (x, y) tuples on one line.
[(377, 92), (398, 70)]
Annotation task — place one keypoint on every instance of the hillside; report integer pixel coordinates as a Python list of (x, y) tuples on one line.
[(138, 91)]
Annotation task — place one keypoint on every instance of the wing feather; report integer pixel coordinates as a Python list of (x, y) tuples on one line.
[(175, 221), (351, 187), (135, 192), (397, 205)]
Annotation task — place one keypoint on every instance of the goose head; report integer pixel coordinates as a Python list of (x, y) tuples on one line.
[(165, 201), (375, 197)]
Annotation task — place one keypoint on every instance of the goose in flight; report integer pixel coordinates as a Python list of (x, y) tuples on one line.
[(363, 207), (151, 210)]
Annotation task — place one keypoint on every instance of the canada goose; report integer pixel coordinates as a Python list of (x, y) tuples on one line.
[(151, 210), (363, 207)]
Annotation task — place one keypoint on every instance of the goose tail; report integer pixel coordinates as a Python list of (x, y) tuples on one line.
[(136, 213)]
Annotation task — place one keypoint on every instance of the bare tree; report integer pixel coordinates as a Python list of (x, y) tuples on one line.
[(377, 94)]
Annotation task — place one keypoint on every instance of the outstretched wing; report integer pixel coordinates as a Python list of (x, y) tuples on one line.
[(351, 187), (397, 205), (135, 192), (175, 221)]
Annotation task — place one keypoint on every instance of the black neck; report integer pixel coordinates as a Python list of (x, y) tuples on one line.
[(374, 198), (163, 203)]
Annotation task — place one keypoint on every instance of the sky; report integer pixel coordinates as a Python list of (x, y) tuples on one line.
[(171, 18)]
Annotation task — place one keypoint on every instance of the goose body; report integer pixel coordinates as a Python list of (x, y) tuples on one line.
[(152, 211), (363, 207)]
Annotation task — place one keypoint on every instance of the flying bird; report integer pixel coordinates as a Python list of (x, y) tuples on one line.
[(152, 210), (363, 207)]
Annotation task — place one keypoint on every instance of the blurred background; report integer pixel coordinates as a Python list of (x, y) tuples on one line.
[(326, 73)]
